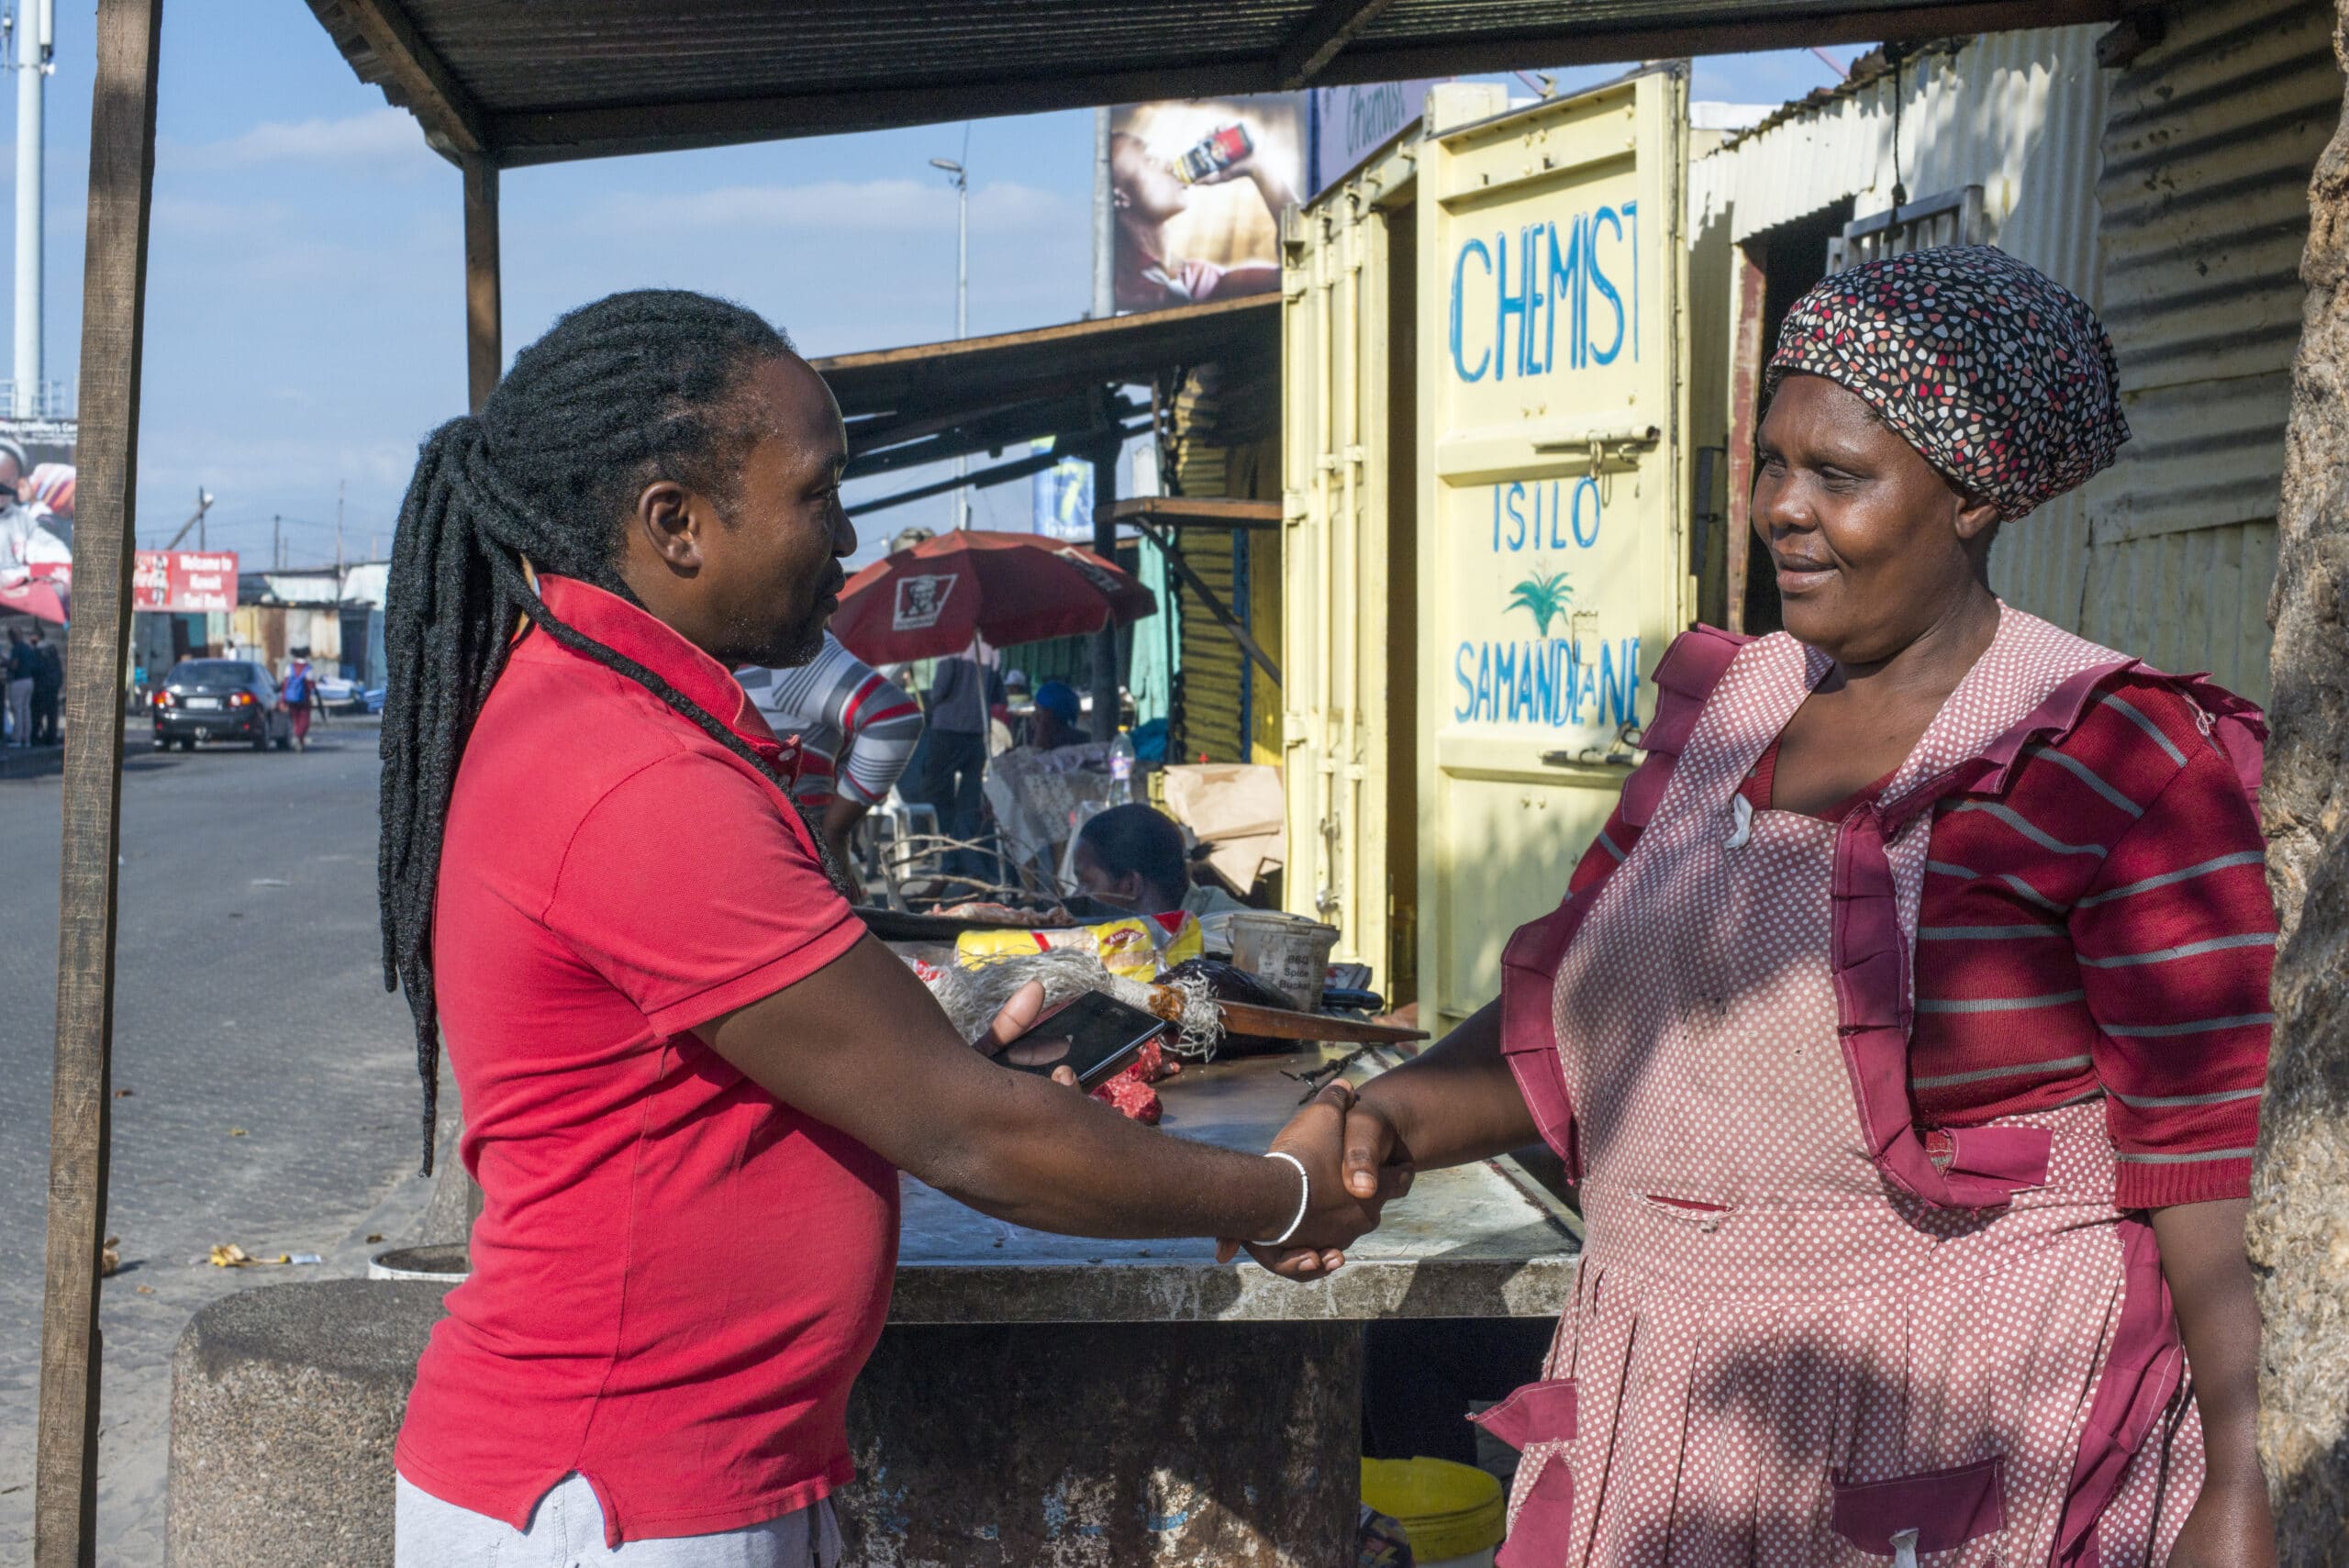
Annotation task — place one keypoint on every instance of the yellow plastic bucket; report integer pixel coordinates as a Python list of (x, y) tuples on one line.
[(1447, 1510)]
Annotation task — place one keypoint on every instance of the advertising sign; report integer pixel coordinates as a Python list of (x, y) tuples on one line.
[(1064, 498), (1552, 329), (1350, 123), (1197, 188), (186, 581)]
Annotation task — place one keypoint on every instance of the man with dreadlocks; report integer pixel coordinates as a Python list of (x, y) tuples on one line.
[(690, 1076)]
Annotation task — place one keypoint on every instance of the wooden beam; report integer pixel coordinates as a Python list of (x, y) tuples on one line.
[(1552, 36), (1334, 25), (452, 121), (1106, 708), (1066, 420), (1198, 584), (114, 297), (886, 432), (1072, 336), (1001, 474), (485, 308), (1196, 511)]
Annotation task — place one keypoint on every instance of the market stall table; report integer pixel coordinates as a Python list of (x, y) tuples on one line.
[(1041, 1398)]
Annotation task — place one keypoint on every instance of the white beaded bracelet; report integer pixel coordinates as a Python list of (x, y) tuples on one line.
[(1304, 1198)]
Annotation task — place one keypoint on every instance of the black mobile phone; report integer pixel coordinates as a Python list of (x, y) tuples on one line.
[(1095, 1035)]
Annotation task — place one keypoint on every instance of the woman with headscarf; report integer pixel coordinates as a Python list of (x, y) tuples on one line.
[(1905, 1027)]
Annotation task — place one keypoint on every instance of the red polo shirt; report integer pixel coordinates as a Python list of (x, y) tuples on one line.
[(674, 1276)]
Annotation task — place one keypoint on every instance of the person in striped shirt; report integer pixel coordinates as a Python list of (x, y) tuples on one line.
[(856, 732), (1905, 1027)]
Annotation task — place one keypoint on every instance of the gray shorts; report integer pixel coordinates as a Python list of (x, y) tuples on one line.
[(567, 1531)]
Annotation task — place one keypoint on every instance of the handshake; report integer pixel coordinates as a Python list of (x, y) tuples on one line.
[(1320, 1187), (1353, 1163)]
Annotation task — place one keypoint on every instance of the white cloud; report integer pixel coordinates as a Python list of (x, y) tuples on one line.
[(859, 207), (382, 140)]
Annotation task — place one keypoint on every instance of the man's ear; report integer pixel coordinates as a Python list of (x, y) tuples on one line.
[(669, 520)]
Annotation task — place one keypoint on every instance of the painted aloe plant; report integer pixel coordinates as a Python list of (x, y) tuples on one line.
[(1544, 596)]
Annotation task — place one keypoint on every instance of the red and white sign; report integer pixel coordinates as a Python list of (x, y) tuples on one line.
[(185, 580)]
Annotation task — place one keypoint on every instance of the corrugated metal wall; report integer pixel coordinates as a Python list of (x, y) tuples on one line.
[(1225, 709), (2172, 196), (2019, 114), (1215, 674), (2207, 154)]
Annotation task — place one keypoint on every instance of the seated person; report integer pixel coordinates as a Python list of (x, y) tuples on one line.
[(1132, 856), (1058, 718)]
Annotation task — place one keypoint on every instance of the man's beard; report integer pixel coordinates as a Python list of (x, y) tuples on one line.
[(805, 642)]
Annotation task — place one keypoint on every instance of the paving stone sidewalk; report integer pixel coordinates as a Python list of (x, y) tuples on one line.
[(271, 1096)]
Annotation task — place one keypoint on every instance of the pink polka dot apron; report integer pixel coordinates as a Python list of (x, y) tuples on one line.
[(1807, 1331)]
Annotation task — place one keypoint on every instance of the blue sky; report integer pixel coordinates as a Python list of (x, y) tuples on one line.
[(305, 327)]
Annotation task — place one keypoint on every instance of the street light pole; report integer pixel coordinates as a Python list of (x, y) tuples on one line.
[(30, 51), (961, 179)]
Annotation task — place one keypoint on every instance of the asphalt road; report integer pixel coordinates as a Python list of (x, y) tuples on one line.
[(265, 1082)]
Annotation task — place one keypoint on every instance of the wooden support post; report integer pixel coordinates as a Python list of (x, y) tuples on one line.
[(1178, 563), (114, 297), (484, 363), (1744, 420), (1105, 545), (484, 327)]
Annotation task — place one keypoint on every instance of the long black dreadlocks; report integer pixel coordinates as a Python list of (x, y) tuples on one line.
[(619, 394)]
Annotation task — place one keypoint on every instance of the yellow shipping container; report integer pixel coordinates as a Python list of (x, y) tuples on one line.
[(1486, 516)]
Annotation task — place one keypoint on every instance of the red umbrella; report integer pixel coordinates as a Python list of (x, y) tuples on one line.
[(1008, 588), (34, 596)]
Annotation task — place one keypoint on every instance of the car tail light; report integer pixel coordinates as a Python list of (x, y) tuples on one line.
[(240, 699), (162, 699)]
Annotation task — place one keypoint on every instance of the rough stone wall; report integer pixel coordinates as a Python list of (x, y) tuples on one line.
[(2300, 1203)]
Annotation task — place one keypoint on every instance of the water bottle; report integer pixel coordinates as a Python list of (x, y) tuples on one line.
[(1121, 766)]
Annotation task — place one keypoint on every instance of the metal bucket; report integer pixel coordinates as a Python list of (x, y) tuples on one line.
[(1286, 951)]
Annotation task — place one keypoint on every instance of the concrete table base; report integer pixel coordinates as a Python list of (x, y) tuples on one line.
[(286, 1402), (1036, 1401), (1077, 1445)]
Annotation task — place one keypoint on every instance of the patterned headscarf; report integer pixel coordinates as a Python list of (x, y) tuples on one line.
[(2001, 377)]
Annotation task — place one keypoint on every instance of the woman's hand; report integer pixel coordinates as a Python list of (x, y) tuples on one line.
[(2218, 1317), (1359, 1161), (2228, 1526)]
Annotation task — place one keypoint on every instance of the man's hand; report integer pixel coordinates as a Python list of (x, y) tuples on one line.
[(1017, 1016), (1337, 1136)]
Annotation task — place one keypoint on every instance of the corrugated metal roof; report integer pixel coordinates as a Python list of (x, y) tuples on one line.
[(931, 402), (528, 84), (978, 373)]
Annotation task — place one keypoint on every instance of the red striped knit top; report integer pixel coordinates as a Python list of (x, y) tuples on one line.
[(2103, 929)]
